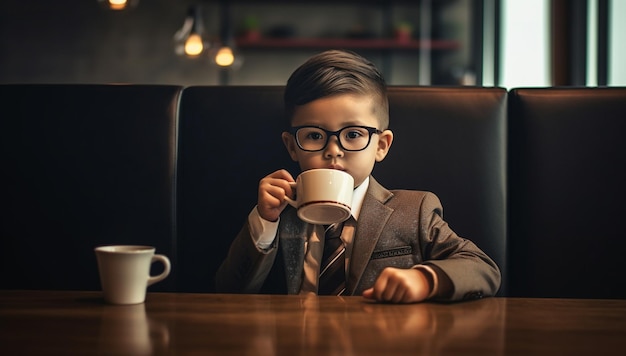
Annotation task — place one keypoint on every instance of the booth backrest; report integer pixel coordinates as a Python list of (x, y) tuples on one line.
[(229, 139), (451, 141), (83, 165), (567, 192), (535, 177)]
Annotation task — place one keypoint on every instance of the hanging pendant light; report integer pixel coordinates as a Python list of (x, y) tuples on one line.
[(190, 38), (118, 5), (226, 56)]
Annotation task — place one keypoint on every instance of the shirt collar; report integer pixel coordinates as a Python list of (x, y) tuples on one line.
[(358, 196)]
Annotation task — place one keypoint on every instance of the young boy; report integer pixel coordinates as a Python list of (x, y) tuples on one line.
[(397, 246)]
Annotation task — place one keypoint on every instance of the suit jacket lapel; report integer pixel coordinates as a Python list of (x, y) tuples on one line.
[(372, 218)]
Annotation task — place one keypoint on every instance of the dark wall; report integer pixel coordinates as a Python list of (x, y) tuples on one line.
[(77, 41)]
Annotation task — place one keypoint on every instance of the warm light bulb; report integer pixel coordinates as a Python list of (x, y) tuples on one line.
[(193, 45), (224, 57), (117, 4)]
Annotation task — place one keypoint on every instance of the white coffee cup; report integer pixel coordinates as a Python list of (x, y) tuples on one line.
[(323, 196), (125, 272)]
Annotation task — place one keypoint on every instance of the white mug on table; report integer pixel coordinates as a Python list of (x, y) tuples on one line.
[(125, 272)]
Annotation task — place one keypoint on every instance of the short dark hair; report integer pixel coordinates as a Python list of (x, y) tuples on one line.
[(336, 72)]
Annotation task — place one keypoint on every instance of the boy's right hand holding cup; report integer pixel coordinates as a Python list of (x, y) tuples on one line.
[(272, 192)]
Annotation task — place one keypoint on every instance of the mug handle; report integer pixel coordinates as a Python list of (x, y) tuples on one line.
[(288, 199), (166, 264)]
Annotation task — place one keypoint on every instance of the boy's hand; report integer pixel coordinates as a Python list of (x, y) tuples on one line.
[(272, 191), (400, 286)]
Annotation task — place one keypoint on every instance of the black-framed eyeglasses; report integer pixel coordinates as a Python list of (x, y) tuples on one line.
[(350, 138)]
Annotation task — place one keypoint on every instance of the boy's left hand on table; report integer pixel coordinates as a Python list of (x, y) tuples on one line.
[(398, 285)]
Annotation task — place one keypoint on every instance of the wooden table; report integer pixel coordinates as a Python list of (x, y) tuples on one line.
[(66, 323)]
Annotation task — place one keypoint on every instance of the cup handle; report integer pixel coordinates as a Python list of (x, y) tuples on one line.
[(288, 199), (167, 268)]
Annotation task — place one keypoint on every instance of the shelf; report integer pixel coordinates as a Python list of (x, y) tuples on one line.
[(345, 43)]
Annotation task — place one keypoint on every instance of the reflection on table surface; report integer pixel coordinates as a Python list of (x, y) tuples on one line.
[(56, 322)]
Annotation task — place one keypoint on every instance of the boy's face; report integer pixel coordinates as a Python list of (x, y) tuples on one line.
[(333, 114)]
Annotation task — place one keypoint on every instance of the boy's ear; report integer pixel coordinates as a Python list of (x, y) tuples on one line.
[(384, 143), (290, 144)]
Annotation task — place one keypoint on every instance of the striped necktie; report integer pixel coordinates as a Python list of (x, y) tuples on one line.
[(332, 280)]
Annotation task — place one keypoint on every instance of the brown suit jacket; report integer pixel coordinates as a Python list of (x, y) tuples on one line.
[(399, 228)]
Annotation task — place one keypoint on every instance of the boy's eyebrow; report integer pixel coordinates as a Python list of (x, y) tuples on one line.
[(344, 124)]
